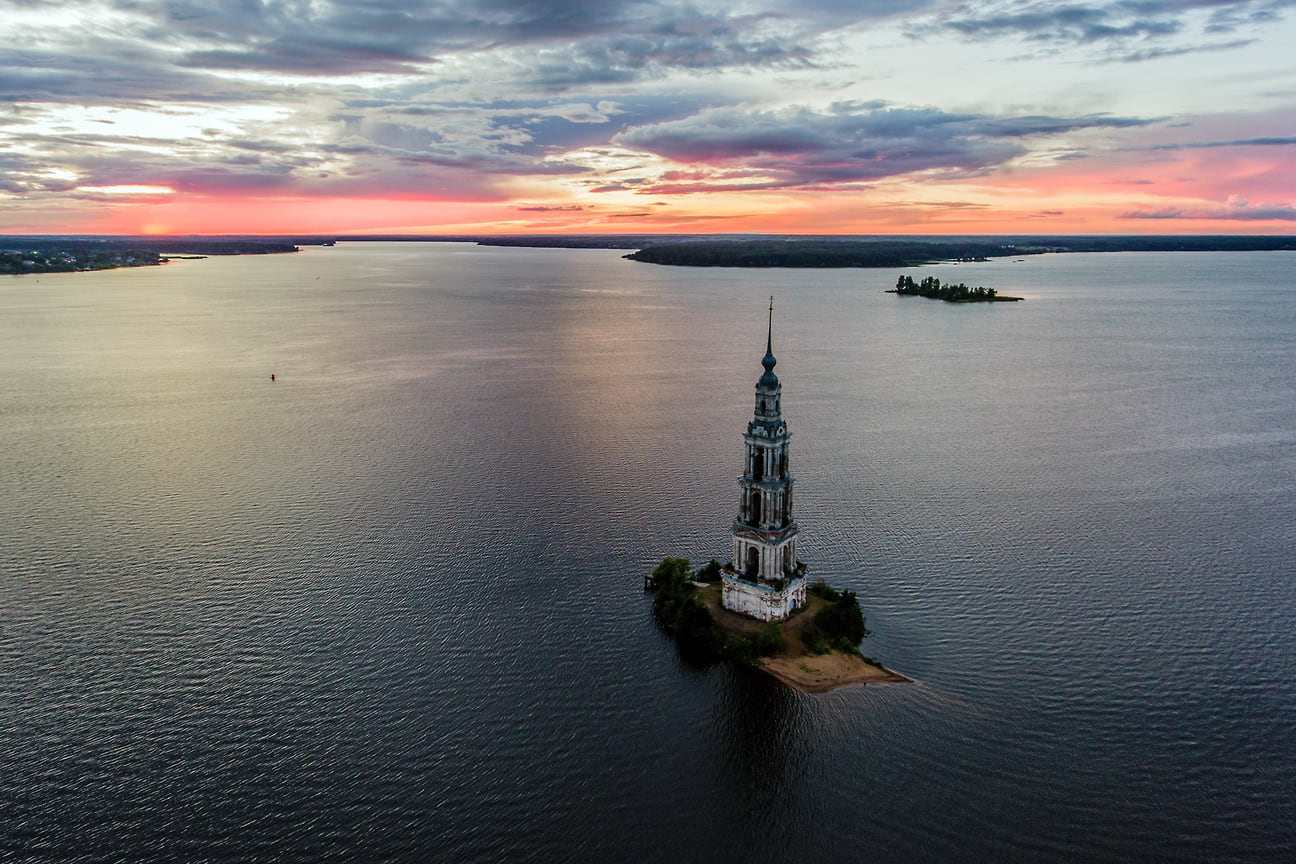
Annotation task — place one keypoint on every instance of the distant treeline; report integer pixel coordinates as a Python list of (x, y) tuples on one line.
[(910, 252), (160, 245), (19, 254), (817, 253), (1122, 243), (577, 241), (690, 250), (55, 260)]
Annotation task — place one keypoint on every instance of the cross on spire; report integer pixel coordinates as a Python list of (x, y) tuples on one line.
[(769, 338), (768, 360)]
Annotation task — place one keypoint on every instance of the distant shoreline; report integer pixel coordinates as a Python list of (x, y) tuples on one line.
[(21, 254), (896, 253), (854, 251)]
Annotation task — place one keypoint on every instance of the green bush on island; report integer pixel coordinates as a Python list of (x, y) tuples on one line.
[(710, 572), (813, 639), (682, 614), (770, 640), (766, 643), (838, 625), (820, 588)]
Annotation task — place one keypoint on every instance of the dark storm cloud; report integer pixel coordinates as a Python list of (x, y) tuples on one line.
[(853, 143)]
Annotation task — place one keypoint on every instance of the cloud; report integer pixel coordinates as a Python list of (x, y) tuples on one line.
[(1259, 141), (1050, 22), (582, 112), (1235, 209), (346, 37), (367, 159), (853, 142), (1111, 25), (1144, 55), (556, 208), (501, 100), (104, 72)]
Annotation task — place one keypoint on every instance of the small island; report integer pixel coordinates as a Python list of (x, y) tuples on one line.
[(759, 609), (931, 288), (814, 650)]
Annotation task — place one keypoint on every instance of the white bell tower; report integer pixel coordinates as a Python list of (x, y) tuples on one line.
[(765, 579)]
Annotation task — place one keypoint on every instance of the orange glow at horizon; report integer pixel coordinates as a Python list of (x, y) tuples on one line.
[(1086, 200)]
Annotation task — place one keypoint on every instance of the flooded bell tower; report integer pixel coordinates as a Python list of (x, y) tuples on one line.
[(765, 579)]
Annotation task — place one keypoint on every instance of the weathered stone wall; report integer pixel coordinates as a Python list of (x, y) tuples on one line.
[(762, 602)]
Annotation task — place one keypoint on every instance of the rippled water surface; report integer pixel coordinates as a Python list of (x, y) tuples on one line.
[(389, 606)]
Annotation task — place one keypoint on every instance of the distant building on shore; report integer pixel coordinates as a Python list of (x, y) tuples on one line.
[(765, 579)]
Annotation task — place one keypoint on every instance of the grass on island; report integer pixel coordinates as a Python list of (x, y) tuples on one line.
[(816, 649)]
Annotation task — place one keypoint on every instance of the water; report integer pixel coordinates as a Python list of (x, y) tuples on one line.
[(389, 606)]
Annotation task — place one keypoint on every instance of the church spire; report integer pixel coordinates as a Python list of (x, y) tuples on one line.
[(769, 335), (769, 379)]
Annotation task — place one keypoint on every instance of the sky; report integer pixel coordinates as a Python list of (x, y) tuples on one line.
[(633, 116)]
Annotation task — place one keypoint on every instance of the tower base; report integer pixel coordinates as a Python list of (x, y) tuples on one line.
[(760, 600)]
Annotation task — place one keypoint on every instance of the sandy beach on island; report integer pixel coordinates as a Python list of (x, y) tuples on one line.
[(820, 673), (808, 673)]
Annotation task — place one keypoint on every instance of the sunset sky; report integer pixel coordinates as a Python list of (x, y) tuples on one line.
[(785, 116)]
